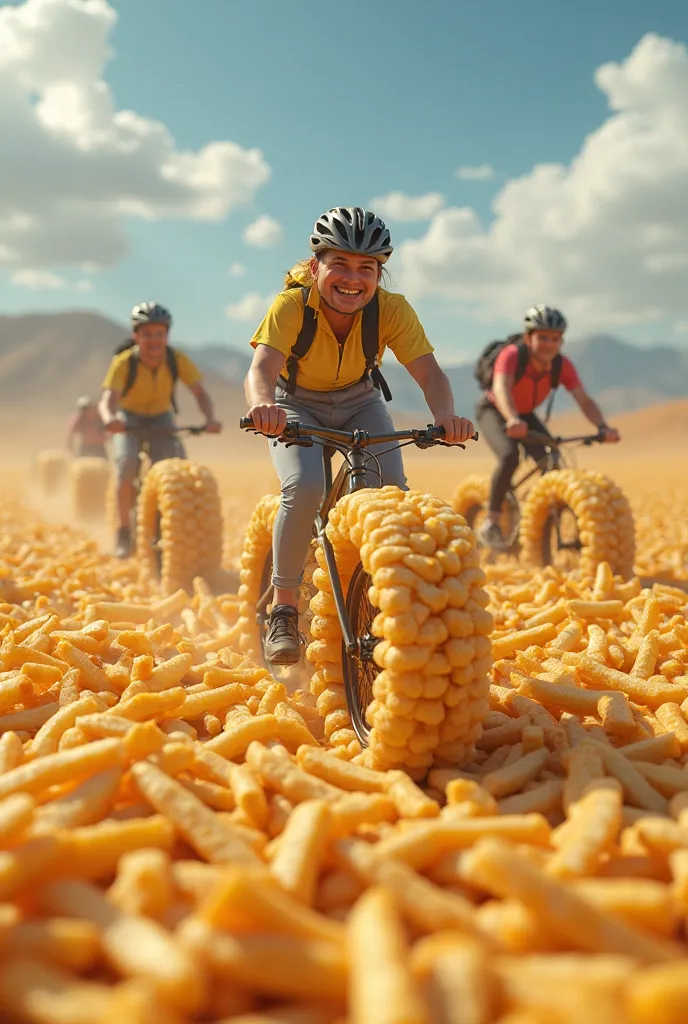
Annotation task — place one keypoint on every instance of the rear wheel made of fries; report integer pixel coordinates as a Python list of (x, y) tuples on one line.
[(470, 500), (416, 692), (89, 483), (256, 575), (52, 469), (576, 519), (179, 524)]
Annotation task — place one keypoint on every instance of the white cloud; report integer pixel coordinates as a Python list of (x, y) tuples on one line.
[(47, 281), (77, 167), (39, 280), (605, 238), (400, 206), (253, 306), (480, 172), (264, 233), (236, 270)]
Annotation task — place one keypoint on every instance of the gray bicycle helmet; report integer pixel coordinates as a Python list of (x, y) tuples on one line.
[(544, 318), (352, 229), (150, 313)]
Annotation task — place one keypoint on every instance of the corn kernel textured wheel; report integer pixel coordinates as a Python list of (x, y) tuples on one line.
[(89, 482), (52, 466), (575, 519), (256, 574), (411, 568), (179, 524), (470, 499)]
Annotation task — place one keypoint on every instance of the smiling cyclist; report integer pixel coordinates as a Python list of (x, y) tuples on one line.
[(138, 392), (316, 360), (527, 368)]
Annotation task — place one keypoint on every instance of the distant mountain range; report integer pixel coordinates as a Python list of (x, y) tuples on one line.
[(50, 359)]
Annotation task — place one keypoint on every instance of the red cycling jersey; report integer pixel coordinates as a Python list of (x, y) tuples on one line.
[(533, 388)]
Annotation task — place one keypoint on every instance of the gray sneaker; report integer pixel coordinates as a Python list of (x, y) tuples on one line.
[(123, 542), (282, 645), (491, 536)]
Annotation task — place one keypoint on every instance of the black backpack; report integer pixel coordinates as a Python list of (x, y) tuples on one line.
[(370, 334), (484, 367), (133, 366)]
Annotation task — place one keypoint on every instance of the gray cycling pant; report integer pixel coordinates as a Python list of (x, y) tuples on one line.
[(126, 447), (300, 470)]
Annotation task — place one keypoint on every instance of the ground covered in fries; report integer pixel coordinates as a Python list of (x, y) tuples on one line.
[(180, 843)]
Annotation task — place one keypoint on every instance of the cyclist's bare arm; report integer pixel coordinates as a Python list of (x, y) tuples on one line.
[(259, 388), (205, 404), (434, 383), (107, 409), (592, 412), (502, 386)]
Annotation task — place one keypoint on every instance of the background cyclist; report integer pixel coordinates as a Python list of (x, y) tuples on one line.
[(86, 434), (146, 400), (332, 386), (507, 410)]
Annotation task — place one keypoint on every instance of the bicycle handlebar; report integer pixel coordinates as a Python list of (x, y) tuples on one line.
[(295, 431), (535, 437), (166, 431)]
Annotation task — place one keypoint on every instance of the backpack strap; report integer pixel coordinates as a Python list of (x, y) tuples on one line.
[(302, 344), (557, 364), (370, 337), (523, 357), (133, 369)]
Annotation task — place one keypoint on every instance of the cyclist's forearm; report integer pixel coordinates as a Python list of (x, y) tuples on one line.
[(592, 412), (107, 407), (205, 404), (503, 399), (438, 394), (259, 387)]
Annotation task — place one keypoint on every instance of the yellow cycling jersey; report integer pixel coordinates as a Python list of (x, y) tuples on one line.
[(329, 366), (151, 392)]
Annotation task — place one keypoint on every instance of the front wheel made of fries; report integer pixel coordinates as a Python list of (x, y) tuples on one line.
[(256, 576), (470, 499), (418, 687), (52, 467), (576, 519), (89, 483), (179, 524)]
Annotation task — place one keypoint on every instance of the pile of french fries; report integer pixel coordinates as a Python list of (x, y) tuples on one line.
[(178, 844)]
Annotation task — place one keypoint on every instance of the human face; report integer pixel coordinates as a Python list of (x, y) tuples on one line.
[(151, 340), (545, 345), (346, 280)]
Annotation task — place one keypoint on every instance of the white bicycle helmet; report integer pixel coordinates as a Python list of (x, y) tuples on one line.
[(83, 403), (544, 318), (352, 229), (150, 313)]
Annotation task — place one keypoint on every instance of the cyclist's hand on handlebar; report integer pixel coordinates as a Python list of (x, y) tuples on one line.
[(268, 419), (610, 435), (516, 429), (213, 427), (115, 426), (456, 429)]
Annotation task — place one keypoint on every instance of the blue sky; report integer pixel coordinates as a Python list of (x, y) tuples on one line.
[(351, 102)]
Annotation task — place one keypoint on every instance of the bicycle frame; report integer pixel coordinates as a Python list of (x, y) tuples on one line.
[(352, 445)]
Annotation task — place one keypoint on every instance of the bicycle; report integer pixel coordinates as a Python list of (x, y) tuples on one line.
[(176, 514), (538, 519), (348, 579)]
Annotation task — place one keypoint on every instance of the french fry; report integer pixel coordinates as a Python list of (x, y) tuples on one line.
[(342, 774), (512, 777), (137, 946), (493, 865), (594, 828), (276, 769), (65, 766), (410, 801), (238, 737), (16, 689), (297, 863), (522, 639), (32, 990), (659, 993), (63, 941), (86, 804), (213, 839), (144, 884), (389, 994), (16, 814)]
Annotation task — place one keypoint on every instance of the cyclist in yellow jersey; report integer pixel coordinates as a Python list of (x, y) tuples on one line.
[(334, 384), (145, 399)]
